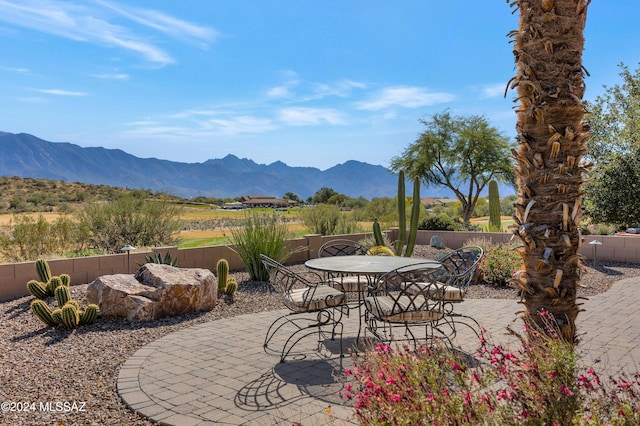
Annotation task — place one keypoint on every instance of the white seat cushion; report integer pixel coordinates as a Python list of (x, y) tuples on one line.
[(323, 297), (389, 309), (451, 293), (349, 283)]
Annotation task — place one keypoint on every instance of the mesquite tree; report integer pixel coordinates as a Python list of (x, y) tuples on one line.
[(551, 135)]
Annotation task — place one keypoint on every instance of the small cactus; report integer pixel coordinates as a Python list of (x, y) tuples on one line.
[(42, 267), (41, 310), (222, 267), (63, 295), (232, 287), (53, 284), (65, 279), (57, 315), (70, 317), (377, 233), (37, 289), (89, 315)]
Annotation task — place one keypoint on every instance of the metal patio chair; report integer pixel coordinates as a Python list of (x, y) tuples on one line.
[(459, 267), (314, 307), (353, 285), (405, 300)]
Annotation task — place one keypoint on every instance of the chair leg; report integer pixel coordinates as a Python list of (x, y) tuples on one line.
[(304, 327)]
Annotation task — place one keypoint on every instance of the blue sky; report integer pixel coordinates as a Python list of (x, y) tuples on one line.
[(310, 83)]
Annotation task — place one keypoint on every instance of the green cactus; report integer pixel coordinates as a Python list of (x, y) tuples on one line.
[(415, 216), (89, 315), (65, 279), (37, 289), (222, 267), (57, 315), (495, 224), (404, 245), (232, 287), (70, 317), (42, 267), (63, 295), (53, 284), (402, 216), (377, 233), (41, 310)]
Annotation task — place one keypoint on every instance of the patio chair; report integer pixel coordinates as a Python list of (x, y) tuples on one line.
[(313, 304), (406, 299), (459, 267), (342, 247), (353, 285)]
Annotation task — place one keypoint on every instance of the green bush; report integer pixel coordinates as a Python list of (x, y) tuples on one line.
[(499, 263), (441, 222), (27, 238), (260, 234), (327, 219), (130, 220)]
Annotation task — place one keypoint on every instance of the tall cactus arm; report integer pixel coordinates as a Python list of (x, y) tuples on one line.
[(402, 218), (415, 216)]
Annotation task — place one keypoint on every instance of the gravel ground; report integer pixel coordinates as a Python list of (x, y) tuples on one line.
[(46, 365)]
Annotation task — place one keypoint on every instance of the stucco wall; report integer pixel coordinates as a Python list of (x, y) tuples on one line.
[(14, 276)]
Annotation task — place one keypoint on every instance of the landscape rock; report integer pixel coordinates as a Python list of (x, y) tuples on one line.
[(437, 242), (155, 291)]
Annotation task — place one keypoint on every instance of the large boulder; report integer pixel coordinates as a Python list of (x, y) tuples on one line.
[(155, 291)]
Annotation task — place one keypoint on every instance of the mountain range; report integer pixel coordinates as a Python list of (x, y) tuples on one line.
[(25, 155)]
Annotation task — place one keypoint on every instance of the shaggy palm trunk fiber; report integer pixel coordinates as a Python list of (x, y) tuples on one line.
[(549, 167)]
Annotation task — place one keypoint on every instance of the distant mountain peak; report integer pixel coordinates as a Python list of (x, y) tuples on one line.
[(26, 155)]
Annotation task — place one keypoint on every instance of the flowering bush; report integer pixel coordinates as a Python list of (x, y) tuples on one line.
[(537, 385), (499, 263)]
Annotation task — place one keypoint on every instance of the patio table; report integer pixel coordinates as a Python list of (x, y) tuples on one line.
[(369, 267)]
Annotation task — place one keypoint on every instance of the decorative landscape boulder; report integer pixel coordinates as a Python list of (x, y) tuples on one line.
[(155, 291), (437, 242)]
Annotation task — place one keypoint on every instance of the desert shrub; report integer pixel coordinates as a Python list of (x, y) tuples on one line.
[(537, 384), (130, 220), (440, 222), (260, 234), (27, 238), (327, 219), (499, 263)]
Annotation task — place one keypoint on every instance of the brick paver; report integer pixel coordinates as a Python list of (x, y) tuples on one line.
[(217, 373)]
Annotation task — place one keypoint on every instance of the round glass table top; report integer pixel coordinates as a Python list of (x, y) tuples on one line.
[(367, 265)]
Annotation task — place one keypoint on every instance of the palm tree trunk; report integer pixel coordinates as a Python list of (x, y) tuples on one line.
[(549, 168)]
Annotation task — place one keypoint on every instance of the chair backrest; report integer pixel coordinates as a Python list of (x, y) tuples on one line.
[(461, 264), (286, 282), (408, 290), (342, 247)]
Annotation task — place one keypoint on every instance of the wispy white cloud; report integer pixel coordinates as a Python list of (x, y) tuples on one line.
[(310, 116), (405, 97), (117, 76), (18, 70), (240, 124), (90, 24), (279, 92), (342, 88), (174, 27), (60, 92), (493, 91)]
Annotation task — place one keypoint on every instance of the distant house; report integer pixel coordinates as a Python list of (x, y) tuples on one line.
[(265, 201)]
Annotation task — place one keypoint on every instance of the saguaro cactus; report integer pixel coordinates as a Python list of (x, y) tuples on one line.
[(495, 224), (410, 241)]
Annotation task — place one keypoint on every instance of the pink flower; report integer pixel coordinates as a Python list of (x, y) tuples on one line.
[(565, 390), (390, 381), (396, 397)]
